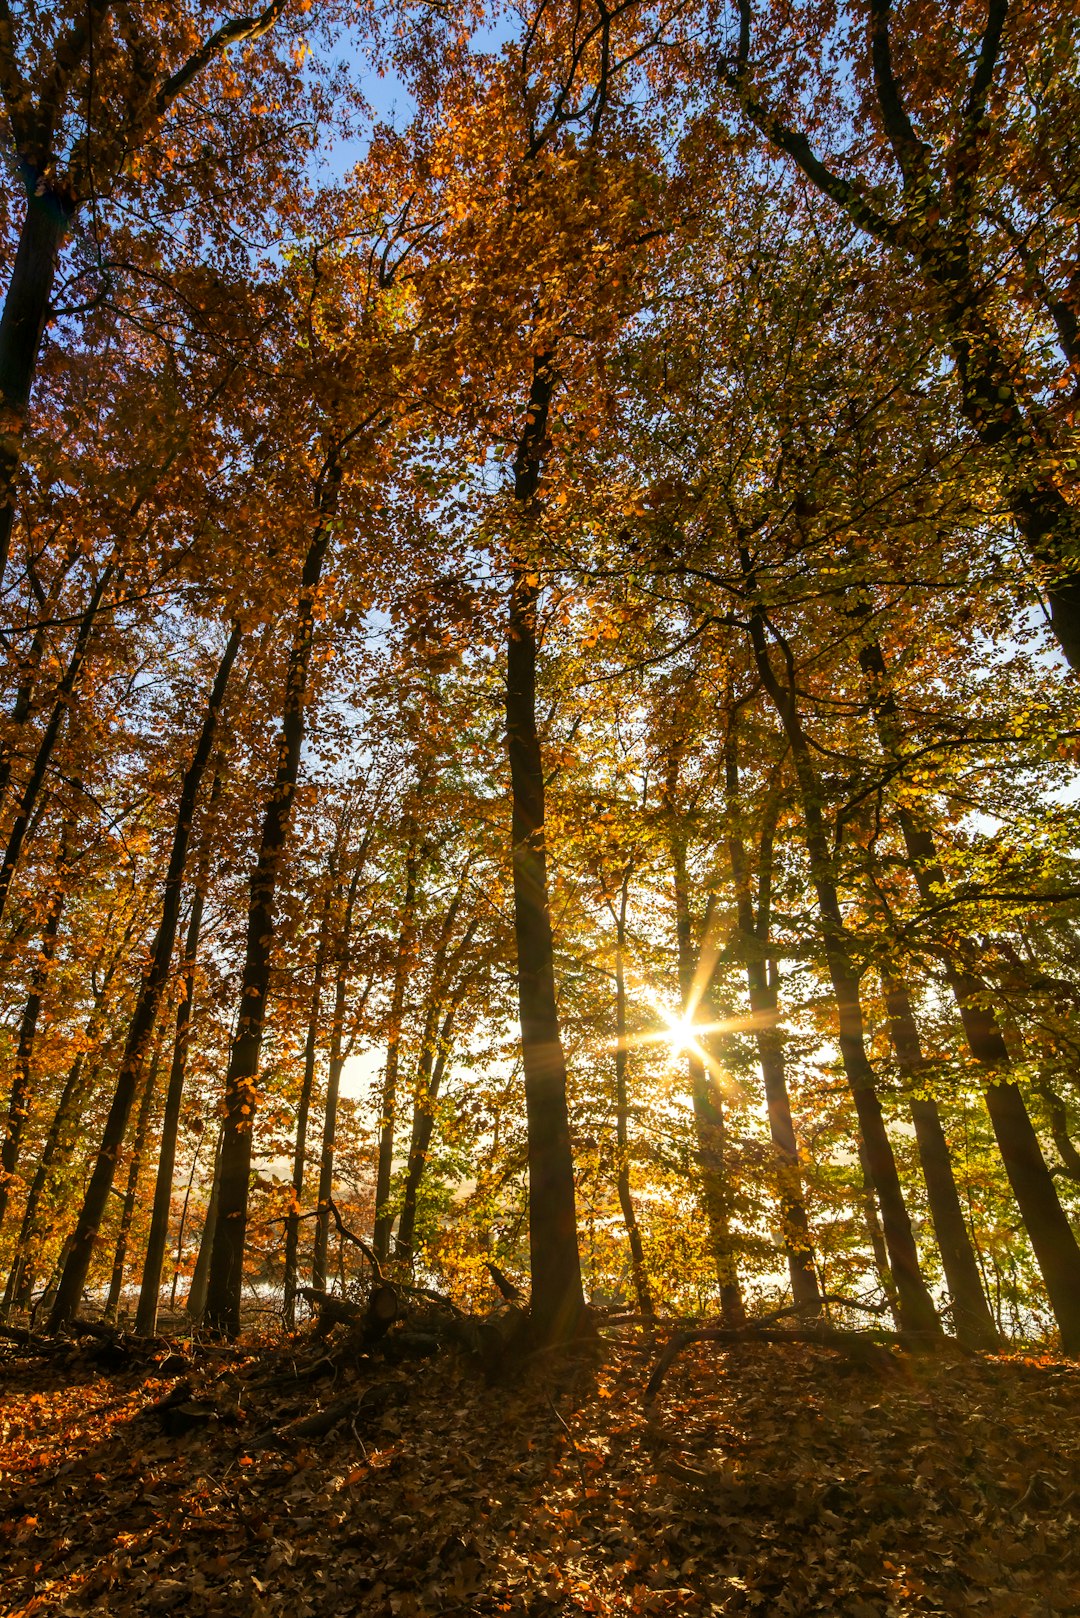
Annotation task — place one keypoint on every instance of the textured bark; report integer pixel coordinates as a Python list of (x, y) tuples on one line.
[(241, 1098), (916, 1307), (146, 1010), (22, 326), (973, 1322), (558, 1302)]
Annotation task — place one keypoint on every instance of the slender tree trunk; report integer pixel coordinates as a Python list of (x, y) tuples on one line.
[(432, 1069), (917, 1313), (28, 799), (431, 1063), (335, 1065), (145, 1015), (22, 326), (754, 932), (149, 1290), (227, 1259), (19, 1103), (195, 1307), (72, 1097), (138, 1150), (311, 1046), (1045, 1220), (622, 1115), (403, 966), (558, 1301), (709, 1123), (973, 1321), (29, 668), (876, 1236)]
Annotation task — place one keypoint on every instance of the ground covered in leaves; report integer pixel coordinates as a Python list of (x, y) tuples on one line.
[(764, 1479)]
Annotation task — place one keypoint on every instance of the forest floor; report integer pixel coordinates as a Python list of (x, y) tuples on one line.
[(764, 1479)]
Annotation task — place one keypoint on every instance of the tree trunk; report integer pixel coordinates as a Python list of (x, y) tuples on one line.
[(19, 1103), (876, 1236), (1045, 1220), (72, 1097), (622, 1115), (227, 1259), (973, 1322), (333, 1084), (146, 1313), (754, 932), (916, 1307), (127, 1210), (311, 1046), (32, 790), (22, 326), (558, 1301), (709, 1124), (403, 966), (432, 1070), (145, 1014), (195, 1307)]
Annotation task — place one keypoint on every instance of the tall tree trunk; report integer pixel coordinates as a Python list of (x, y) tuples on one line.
[(434, 1057), (916, 1307), (311, 1047), (28, 798), (431, 1064), (227, 1258), (77, 1086), (195, 1306), (876, 1235), (754, 929), (1045, 1220), (558, 1301), (974, 1324), (333, 1080), (138, 1150), (709, 1123), (403, 966), (622, 1115), (150, 1287), (145, 1014), (22, 326), (19, 1103)]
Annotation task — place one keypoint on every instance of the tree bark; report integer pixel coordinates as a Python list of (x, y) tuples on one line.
[(22, 326), (638, 1269), (311, 1047), (558, 1301), (145, 1014), (195, 1307), (754, 927), (403, 965), (916, 1308), (127, 1209), (32, 790), (333, 1082), (19, 1103), (1045, 1220), (227, 1258), (972, 1320), (150, 1287)]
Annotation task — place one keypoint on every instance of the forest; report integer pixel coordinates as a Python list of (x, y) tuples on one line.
[(539, 807)]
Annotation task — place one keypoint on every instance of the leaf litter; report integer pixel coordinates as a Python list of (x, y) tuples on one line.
[(762, 1480)]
